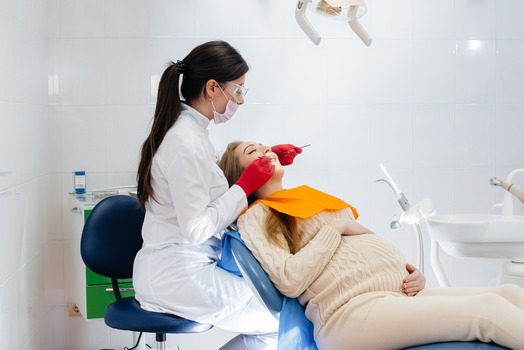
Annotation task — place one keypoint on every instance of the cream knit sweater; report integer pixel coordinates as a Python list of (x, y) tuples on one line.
[(329, 269)]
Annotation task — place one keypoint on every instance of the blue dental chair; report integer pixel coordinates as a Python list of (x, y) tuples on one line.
[(269, 296), (111, 238)]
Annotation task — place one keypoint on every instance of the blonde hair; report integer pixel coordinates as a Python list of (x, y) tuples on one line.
[(276, 222)]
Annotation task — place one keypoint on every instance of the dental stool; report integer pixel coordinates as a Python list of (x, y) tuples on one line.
[(111, 238), (269, 296)]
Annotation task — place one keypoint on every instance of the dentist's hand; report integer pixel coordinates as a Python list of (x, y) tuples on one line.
[(415, 282), (286, 153), (256, 175)]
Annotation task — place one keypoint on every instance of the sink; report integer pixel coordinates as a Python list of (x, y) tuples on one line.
[(479, 235)]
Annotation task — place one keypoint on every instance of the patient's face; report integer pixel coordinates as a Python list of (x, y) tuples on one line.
[(247, 152)]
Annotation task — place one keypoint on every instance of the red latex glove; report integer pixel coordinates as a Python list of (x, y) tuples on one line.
[(256, 175), (286, 153)]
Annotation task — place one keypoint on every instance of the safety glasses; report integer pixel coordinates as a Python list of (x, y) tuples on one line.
[(237, 91)]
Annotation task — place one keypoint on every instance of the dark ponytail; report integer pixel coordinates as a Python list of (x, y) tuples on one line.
[(213, 60)]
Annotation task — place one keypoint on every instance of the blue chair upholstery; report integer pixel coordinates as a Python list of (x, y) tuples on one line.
[(111, 238), (257, 278), (272, 299)]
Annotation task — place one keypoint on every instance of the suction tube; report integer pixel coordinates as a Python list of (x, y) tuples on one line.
[(300, 15)]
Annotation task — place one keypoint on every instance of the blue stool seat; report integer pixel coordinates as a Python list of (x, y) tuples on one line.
[(127, 314)]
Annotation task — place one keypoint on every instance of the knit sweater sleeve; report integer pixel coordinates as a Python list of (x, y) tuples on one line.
[(291, 273)]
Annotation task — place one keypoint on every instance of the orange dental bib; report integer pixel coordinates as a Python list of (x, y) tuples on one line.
[(304, 202)]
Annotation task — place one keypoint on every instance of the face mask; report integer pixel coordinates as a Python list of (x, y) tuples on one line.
[(231, 108)]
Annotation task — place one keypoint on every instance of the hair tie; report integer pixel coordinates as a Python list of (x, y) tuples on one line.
[(181, 66)]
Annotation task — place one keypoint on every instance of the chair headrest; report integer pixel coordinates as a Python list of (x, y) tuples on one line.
[(112, 236)]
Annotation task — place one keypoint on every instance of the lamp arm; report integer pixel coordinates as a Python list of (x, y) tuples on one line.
[(360, 31), (303, 22)]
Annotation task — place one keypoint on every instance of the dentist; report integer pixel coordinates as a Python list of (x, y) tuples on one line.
[(188, 200)]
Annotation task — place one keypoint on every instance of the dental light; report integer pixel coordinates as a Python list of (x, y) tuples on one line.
[(344, 10)]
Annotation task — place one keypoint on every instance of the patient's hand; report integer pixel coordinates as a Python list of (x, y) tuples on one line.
[(415, 282), (348, 227)]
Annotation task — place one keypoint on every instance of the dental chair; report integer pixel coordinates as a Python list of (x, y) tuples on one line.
[(269, 296), (111, 238)]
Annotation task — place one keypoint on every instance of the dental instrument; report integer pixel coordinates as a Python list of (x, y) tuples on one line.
[(345, 10), (299, 147), (495, 182), (511, 188), (507, 203)]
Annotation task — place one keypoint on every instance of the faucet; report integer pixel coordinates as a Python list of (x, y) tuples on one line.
[(507, 204)]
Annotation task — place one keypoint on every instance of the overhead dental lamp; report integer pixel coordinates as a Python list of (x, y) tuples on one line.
[(343, 10)]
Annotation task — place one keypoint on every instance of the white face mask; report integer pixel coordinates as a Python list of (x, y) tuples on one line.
[(231, 108)]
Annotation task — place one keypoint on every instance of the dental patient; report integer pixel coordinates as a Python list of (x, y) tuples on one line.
[(351, 282)]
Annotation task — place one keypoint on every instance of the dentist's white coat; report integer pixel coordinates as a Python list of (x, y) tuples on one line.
[(175, 271)]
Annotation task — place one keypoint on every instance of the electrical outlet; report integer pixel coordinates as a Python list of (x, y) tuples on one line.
[(72, 309)]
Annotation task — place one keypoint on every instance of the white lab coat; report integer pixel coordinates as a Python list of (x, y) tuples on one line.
[(175, 271)]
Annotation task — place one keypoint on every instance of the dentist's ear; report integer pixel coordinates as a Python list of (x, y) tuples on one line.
[(211, 88)]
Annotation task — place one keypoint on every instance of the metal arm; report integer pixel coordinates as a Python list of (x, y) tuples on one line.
[(303, 22)]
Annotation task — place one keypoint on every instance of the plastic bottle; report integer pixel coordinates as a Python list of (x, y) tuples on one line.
[(80, 182)]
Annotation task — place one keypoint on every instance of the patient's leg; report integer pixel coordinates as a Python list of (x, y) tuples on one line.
[(392, 321), (511, 292)]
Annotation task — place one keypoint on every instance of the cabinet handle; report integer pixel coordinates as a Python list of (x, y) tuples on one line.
[(121, 289), (76, 210)]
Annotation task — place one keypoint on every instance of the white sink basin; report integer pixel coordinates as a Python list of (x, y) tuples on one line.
[(479, 236)]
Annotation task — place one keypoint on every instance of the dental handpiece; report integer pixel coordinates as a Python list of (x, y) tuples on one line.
[(511, 188), (496, 182), (299, 147)]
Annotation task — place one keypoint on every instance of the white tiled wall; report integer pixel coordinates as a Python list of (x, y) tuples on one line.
[(438, 98), (31, 279)]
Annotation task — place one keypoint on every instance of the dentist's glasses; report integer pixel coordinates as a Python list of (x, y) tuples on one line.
[(237, 91)]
